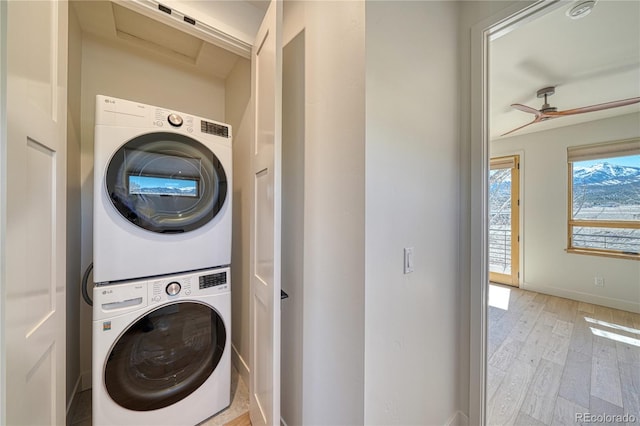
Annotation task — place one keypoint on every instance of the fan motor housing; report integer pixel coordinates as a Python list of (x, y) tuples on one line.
[(546, 91)]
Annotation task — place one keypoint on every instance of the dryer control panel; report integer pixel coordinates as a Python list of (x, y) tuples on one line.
[(173, 120), (112, 111)]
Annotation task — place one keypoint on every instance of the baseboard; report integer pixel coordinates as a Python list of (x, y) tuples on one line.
[(85, 379), (240, 365), (73, 395), (609, 302), (458, 419)]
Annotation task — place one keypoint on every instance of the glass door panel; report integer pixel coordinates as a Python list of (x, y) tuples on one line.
[(504, 220)]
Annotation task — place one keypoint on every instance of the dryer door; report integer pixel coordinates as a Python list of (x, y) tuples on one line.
[(164, 356), (166, 182)]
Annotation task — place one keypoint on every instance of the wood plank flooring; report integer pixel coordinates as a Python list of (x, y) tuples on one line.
[(550, 359), (243, 420)]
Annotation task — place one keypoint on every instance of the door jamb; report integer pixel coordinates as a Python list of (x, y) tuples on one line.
[(3, 210)]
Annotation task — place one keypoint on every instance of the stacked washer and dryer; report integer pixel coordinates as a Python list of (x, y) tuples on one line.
[(162, 251)]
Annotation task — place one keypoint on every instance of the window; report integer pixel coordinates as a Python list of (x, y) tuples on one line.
[(604, 199)]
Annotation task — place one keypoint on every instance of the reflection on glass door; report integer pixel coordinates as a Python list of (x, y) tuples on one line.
[(504, 213)]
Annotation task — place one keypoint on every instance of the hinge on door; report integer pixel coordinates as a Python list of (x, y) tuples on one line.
[(518, 202), (518, 165), (518, 238)]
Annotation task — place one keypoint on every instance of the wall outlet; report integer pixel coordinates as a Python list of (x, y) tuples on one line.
[(598, 281)]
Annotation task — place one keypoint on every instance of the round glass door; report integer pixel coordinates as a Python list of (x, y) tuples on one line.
[(166, 183), (164, 356)]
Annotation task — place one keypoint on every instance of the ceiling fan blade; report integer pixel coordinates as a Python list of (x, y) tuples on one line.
[(598, 107), (518, 128), (525, 108)]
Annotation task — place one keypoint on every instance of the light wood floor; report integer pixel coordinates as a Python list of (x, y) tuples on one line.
[(243, 420), (551, 358)]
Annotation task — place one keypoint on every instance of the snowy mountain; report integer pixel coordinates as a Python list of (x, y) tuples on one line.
[(605, 174), (606, 184)]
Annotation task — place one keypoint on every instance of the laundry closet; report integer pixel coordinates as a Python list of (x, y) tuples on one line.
[(115, 53), (138, 51)]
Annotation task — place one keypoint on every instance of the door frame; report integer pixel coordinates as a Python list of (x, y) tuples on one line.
[(3, 180), (509, 18)]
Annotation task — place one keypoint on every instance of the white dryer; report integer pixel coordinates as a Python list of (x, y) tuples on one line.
[(162, 191), (162, 349)]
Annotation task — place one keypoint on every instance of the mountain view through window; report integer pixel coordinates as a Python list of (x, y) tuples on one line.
[(607, 190)]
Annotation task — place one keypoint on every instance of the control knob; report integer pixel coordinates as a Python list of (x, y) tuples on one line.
[(173, 288), (175, 120)]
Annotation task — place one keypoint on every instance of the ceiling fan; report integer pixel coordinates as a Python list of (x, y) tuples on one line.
[(548, 112)]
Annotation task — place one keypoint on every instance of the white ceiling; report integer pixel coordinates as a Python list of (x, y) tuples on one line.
[(591, 60)]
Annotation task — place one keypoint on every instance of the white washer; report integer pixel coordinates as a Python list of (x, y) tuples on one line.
[(162, 191), (162, 349)]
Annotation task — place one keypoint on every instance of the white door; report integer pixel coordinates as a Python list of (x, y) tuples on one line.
[(265, 220), (33, 212)]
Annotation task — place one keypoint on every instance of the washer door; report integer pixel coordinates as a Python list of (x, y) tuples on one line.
[(166, 182), (164, 356)]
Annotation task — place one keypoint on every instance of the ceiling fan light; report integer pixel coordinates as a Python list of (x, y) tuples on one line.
[(581, 9)]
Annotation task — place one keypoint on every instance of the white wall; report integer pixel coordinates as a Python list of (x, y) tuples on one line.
[(74, 217), (412, 181), (547, 267), (293, 181), (239, 116), (333, 248), (333, 318), (116, 69), (410, 350)]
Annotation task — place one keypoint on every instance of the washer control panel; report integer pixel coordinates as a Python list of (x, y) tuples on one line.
[(201, 283), (127, 296)]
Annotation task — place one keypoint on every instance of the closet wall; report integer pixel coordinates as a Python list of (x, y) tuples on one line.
[(74, 216), (238, 113)]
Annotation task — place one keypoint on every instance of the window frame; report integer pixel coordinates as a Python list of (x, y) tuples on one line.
[(602, 151)]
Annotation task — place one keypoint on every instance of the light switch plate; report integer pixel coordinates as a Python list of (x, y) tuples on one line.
[(408, 260)]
